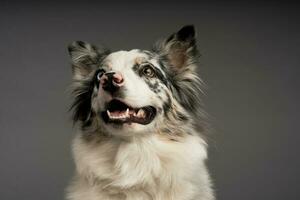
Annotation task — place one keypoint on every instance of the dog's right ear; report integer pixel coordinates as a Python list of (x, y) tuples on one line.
[(85, 58)]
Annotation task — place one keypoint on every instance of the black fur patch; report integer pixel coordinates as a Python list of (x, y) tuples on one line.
[(158, 75), (81, 106), (186, 33), (167, 105)]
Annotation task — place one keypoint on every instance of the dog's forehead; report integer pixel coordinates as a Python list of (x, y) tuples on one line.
[(120, 60)]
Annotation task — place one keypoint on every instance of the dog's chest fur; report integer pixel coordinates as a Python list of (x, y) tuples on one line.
[(151, 167)]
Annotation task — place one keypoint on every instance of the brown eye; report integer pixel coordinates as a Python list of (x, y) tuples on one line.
[(148, 71)]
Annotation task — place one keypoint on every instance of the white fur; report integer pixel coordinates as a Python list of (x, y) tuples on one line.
[(140, 168)]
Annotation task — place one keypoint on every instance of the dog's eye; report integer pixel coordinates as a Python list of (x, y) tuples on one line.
[(99, 74), (148, 71)]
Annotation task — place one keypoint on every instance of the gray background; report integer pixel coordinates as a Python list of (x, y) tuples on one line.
[(250, 61)]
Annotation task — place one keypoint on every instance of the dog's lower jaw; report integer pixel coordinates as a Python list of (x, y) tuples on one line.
[(145, 168)]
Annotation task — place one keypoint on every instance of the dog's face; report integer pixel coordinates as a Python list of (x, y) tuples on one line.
[(133, 92)]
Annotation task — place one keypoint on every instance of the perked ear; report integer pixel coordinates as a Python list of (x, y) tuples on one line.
[(180, 48), (85, 58)]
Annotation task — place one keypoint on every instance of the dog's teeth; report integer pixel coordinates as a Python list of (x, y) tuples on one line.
[(108, 113), (140, 113), (123, 115)]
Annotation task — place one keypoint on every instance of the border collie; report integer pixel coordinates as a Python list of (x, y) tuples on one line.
[(139, 122)]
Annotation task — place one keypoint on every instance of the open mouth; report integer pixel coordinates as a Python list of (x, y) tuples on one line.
[(119, 112)]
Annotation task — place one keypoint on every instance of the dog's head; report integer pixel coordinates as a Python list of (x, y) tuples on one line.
[(136, 91)]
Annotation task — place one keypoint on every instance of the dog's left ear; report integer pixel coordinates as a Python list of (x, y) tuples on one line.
[(180, 48)]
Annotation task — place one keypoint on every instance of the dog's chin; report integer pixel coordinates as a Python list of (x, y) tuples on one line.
[(120, 116)]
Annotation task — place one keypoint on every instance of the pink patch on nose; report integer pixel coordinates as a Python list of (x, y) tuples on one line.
[(118, 78)]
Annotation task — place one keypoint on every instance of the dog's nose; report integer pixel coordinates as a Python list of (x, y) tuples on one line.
[(111, 81)]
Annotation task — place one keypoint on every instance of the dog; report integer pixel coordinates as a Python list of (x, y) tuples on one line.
[(140, 122)]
